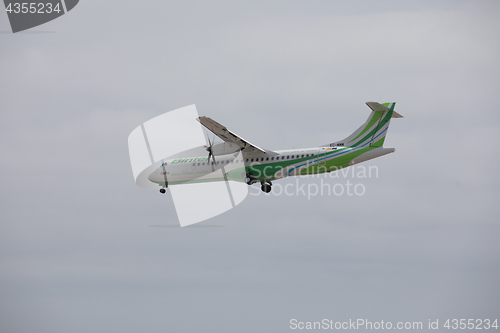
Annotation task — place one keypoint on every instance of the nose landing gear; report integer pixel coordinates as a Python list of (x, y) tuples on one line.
[(162, 191)]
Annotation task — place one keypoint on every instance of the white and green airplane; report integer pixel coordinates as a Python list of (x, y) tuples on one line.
[(238, 160)]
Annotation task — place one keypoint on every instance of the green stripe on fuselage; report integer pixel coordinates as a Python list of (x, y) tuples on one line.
[(335, 163), (267, 171)]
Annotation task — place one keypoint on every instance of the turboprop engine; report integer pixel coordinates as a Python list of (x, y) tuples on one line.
[(225, 148)]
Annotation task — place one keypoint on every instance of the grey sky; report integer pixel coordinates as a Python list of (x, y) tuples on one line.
[(82, 249)]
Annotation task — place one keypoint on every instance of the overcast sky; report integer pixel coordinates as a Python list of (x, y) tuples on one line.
[(83, 249)]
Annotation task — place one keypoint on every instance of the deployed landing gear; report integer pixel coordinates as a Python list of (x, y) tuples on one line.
[(265, 188), (162, 191), (250, 179)]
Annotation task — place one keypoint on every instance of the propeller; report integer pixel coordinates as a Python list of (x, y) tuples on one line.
[(210, 152)]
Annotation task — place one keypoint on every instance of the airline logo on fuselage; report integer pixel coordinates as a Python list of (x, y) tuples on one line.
[(188, 160)]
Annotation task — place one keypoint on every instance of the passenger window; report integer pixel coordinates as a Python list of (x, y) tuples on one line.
[(272, 158), (247, 159), (288, 157), (302, 155), (251, 160), (267, 158)]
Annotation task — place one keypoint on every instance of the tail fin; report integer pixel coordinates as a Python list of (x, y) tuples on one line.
[(373, 131)]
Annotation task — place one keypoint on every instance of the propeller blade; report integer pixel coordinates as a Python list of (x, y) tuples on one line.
[(210, 152), (210, 155)]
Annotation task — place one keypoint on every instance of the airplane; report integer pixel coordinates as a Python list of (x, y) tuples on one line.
[(239, 160)]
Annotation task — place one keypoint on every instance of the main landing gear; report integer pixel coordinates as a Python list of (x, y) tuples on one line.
[(266, 188), (250, 179)]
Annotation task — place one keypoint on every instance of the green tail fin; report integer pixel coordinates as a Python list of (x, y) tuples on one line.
[(374, 130)]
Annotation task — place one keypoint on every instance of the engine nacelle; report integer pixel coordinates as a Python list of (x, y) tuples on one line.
[(225, 148)]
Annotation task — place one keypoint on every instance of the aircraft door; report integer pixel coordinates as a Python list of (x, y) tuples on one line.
[(321, 159)]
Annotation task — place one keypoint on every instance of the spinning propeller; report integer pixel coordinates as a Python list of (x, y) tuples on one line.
[(210, 152)]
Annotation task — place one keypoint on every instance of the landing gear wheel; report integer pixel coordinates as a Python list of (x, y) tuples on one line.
[(266, 188), (162, 191), (249, 179)]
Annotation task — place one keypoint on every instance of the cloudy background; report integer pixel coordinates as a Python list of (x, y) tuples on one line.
[(82, 249)]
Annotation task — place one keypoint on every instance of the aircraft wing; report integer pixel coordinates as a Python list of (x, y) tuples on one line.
[(228, 136)]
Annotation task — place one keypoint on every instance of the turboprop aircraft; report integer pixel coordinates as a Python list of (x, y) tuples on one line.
[(238, 160)]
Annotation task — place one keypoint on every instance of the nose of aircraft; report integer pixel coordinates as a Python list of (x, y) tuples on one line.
[(157, 176)]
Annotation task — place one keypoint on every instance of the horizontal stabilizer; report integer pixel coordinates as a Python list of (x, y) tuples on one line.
[(382, 107)]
